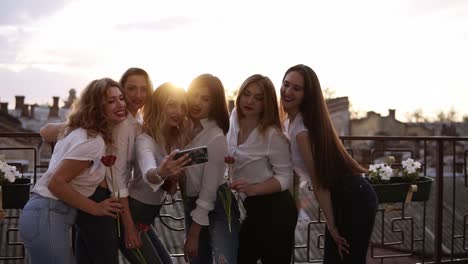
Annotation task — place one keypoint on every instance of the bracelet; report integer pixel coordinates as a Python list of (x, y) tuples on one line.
[(156, 177)]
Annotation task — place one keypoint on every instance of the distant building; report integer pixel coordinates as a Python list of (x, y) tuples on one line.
[(376, 125), (32, 116)]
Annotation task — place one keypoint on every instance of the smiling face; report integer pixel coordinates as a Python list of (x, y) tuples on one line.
[(292, 92), (114, 105), (200, 103), (251, 101), (136, 91)]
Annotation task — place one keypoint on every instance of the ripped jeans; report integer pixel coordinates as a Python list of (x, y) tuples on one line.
[(215, 244)]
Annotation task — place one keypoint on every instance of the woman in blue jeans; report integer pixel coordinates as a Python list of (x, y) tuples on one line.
[(209, 236), (74, 172), (347, 200)]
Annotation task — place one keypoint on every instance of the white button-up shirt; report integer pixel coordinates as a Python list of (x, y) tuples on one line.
[(202, 180), (261, 156), (123, 147)]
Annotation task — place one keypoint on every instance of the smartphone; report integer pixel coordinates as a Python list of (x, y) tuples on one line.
[(198, 155)]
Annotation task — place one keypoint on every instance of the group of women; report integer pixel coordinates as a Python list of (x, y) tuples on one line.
[(113, 206)]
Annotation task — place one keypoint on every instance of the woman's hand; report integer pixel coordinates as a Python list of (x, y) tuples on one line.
[(132, 239), (173, 168), (341, 242), (243, 186), (191, 244), (109, 207)]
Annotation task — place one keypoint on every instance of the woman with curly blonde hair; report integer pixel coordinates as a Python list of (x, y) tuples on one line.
[(75, 170)]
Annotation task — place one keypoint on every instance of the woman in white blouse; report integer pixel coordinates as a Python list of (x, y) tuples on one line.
[(165, 130), (347, 200), (263, 173), (74, 172), (208, 234)]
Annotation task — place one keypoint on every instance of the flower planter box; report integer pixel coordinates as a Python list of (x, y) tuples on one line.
[(396, 191), (15, 195)]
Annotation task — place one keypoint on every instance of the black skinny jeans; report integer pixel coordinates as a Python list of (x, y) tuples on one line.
[(96, 236), (267, 232), (354, 208)]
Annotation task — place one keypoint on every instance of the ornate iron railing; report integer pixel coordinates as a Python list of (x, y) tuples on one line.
[(418, 232)]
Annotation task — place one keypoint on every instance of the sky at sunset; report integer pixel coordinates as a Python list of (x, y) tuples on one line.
[(403, 54)]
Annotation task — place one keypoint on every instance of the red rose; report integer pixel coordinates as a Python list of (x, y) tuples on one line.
[(108, 160), (143, 227), (229, 160)]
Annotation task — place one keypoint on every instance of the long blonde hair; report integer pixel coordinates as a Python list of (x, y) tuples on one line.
[(270, 115), (88, 111), (155, 120)]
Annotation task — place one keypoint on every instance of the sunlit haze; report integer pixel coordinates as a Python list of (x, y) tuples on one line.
[(401, 54)]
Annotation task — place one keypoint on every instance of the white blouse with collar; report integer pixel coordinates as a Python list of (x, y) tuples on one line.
[(202, 180), (260, 157)]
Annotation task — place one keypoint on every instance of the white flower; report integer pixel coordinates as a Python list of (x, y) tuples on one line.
[(386, 173), (417, 165), (407, 163)]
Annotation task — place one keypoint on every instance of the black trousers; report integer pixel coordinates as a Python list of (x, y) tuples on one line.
[(267, 232), (354, 208), (96, 236)]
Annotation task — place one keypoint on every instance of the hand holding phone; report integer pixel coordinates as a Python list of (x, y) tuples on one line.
[(198, 155)]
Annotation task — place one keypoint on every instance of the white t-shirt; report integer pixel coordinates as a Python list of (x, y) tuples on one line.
[(76, 146), (291, 131), (260, 157), (202, 180)]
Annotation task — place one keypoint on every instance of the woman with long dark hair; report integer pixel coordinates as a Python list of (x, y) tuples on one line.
[(347, 200)]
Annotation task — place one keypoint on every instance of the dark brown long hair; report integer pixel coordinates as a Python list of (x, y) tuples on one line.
[(218, 110), (332, 161), (138, 71)]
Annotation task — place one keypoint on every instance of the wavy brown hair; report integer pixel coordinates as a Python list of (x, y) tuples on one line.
[(138, 71), (155, 120), (88, 111), (270, 115), (332, 161), (218, 109)]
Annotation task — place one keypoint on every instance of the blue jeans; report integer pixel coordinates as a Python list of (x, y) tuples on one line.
[(354, 208), (216, 243), (44, 228), (153, 249)]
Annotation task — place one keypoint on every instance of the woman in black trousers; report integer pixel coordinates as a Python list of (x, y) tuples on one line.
[(347, 200)]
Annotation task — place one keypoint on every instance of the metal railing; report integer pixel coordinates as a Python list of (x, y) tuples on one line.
[(418, 232)]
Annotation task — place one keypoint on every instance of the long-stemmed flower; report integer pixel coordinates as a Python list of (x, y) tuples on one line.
[(226, 196), (109, 161)]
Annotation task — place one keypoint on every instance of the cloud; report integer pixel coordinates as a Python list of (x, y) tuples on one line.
[(169, 23), (17, 12)]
